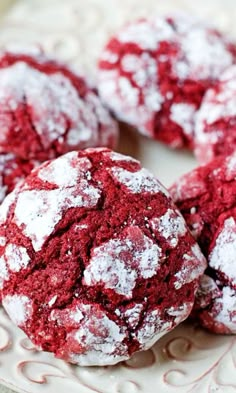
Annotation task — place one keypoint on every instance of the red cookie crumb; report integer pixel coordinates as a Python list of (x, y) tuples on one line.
[(215, 132), (154, 73), (12, 170), (47, 110), (96, 262), (206, 198)]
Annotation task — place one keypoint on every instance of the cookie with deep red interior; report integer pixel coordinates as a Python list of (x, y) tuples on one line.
[(206, 198), (12, 170), (215, 131), (46, 109), (96, 262), (154, 72)]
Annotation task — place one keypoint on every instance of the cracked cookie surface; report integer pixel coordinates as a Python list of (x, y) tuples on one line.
[(206, 198), (46, 109), (96, 262), (154, 72)]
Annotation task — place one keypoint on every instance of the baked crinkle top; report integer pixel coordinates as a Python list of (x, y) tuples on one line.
[(46, 109), (96, 262), (206, 198), (154, 72)]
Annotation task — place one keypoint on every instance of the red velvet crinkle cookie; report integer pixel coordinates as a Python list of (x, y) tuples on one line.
[(47, 110), (96, 262), (12, 170), (154, 73), (206, 198), (215, 132)]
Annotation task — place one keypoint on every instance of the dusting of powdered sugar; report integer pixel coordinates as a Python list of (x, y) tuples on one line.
[(193, 266), (66, 170), (117, 157), (52, 301), (129, 82), (18, 307), (100, 338), (222, 256), (230, 162), (184, 114), (139, 181), (124, 96), (206, 59), (46, 207), (3, 271), (132, 315), (188, 186), (16, 257), (119, 262), (224, 308), (152, 329), (171, 226), (20, 83)]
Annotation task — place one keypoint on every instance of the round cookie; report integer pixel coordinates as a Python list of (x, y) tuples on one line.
[(215, 131), (47, 110), (12, 170), (154, 72), (100, 264), (206, 198)]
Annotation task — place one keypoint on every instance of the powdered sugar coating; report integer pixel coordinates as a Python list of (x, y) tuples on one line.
[(42, 214), (132, 315), (100, 279), (120, 262), (96, 349), (59, 110), (18, 307), (189, 186), (231, 167), (211, 215), (16, 257), (154, 72), (215, 121), (139, 181), (171, 226), (184, 115), (152, 323), (224, 308), (191, 269), (222, 257)]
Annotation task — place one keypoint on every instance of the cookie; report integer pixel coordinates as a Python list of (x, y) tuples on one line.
[(154, 72), (47, 110), (215, 132), (100, 264), (206, 198)]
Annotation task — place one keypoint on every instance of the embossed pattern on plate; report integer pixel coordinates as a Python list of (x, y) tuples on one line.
[(188, 359)]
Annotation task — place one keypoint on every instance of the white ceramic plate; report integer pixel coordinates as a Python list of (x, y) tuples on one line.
[(188, 359)]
